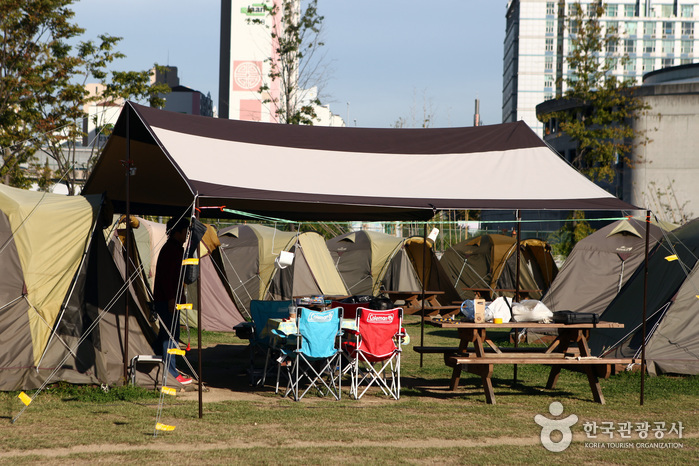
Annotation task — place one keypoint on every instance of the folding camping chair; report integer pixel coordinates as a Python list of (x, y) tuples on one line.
[(260, 342), (375, 351), (315, 357)]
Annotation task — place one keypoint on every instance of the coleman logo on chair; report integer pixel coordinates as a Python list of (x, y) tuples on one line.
[(380, 318), (320, 317)]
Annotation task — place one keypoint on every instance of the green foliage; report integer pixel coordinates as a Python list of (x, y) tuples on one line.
[(601, 106), (42, 85), (564, 240), (295, 37)]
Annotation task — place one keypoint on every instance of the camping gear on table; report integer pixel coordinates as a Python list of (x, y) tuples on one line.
[(570, 317)]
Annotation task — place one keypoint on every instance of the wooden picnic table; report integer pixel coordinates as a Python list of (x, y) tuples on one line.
[(569, 350), (413, 302)]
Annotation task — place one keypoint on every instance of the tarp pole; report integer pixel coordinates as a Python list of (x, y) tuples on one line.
[(422, 282), (645, 309), (127, 273), (517, 240), (199, 350)]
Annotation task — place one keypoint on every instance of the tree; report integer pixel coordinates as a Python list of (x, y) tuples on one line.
[(296, 66), (42, 86), (601, 105)]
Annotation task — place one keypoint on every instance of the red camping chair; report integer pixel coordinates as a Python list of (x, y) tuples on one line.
[(375, 352)]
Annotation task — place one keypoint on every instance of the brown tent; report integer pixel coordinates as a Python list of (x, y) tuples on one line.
[(487, 265)]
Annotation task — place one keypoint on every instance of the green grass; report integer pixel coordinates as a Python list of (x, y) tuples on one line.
[(429, 424)]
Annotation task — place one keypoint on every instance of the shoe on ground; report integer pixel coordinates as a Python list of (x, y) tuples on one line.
[(183, 380)]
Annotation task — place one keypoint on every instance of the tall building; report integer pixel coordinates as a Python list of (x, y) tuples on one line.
[(654, 34), (183, 99), (247, 47)]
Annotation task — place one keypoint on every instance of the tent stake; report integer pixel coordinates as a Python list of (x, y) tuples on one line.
[(645, 309)]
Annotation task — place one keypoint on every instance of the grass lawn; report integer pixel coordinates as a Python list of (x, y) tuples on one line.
[(428, 425)]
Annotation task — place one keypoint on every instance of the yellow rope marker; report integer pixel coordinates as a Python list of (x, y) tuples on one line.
[(671, 258), (25, 398), (185, 306), (191, 261), (164, 427), (169, 391), (176, 351)]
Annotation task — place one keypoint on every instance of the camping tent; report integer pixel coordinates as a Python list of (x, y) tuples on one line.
[(221, 313), (487, 265), (59, 280), (249, 254), (673, 308), (599, 266), (369, 261)]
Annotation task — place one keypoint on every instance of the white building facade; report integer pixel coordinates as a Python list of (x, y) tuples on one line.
[(654, 34), (247, 47)]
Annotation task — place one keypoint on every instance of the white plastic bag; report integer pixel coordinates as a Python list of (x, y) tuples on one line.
[(499, 308), (531, 310)]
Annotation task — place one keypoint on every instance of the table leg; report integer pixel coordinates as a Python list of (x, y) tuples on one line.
[(455, 378), (561, 345), (486, 373), (594, 384)]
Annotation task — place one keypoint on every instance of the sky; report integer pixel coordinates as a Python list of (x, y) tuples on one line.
[(387, 59)]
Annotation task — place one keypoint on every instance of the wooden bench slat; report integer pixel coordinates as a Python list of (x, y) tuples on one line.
[(525, 359)]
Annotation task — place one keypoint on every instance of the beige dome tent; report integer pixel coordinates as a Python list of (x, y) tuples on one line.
[(61, 297), (370, 262), (250, 252), (486, 265)]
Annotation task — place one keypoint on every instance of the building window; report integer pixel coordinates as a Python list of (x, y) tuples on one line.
[(548, 63), (612, 45), (668, 47), (666, 11), (686, 61), (631, 28), (687, 11), (668, 62), (573, 27), (629, 46), (688, 28), (612, 27), (668, 28), (629, 11), (630, 66), (550, 8), (549, 45), (610, 10), (548, 81), (648, 46), (649, 28), (548, 95), (688, 46), (648, 64), (549, 26)]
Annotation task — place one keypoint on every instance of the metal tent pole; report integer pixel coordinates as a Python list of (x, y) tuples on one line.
[(199, 350), (127, 272), (422, 296), (517, 257), (645, 308)]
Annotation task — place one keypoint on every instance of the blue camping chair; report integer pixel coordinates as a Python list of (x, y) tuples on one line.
[(316, 357), (260, 343)]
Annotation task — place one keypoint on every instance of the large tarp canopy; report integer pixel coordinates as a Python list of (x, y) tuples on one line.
[(326, 173)]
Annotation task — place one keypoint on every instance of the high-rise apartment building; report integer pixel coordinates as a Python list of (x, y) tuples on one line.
[(654, 34)]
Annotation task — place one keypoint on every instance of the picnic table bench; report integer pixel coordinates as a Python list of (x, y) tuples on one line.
[(569, 350)]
